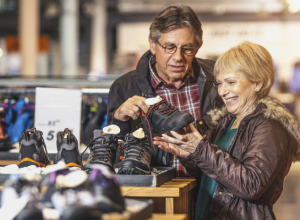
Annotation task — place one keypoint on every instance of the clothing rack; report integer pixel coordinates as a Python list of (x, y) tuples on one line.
[(17, 91)]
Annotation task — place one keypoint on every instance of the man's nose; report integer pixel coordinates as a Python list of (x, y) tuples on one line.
[(178, 55)]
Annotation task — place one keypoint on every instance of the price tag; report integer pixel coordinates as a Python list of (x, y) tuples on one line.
[(55, 110)]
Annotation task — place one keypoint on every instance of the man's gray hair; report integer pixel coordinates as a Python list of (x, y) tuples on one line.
[(173, 17)]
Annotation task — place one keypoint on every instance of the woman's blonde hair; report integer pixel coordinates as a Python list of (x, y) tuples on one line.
[(251, 59)]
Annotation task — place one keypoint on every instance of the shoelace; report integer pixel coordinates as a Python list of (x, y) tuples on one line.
[(98, 154), (66, 131), (132, 149), (169, 109), (35, 131)]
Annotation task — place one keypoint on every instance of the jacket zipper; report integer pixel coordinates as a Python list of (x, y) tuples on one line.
[(230, 194), (201, 98), (229, 204)]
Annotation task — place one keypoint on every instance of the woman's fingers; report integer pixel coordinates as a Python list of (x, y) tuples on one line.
[(171, 139), (192, 127), (156, 142), (157, 138), (177, 136), (165, 147)]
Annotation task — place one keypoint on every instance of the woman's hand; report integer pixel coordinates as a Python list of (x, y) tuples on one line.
[(179, 145)]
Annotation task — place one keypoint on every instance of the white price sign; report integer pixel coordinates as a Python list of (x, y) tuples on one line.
[(55, 110)]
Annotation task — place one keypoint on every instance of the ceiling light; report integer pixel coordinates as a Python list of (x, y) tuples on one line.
[(220, 9), (294, 7)]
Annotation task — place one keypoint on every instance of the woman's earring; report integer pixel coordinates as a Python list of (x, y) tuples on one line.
[(257, 89)]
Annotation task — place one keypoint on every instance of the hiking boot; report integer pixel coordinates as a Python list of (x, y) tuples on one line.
[(32, 151), (5, 143), (138, 153), (162, 118), (73, 197), (106, 189), (103, 146), (67, 149), (25, 190), (49, 180)]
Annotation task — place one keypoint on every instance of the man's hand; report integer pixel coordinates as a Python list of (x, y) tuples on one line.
[(179, 145), (131, 108)]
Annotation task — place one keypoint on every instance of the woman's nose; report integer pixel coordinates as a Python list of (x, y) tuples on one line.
[(222, 90)]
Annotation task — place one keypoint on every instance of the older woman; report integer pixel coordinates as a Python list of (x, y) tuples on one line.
[(246, 148)]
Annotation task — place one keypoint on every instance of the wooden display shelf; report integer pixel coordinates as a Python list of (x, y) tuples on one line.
[(8, 162), (173, 197), (157, 216)]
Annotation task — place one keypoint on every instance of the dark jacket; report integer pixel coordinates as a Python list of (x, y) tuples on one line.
[(137, 82), (250, 174)]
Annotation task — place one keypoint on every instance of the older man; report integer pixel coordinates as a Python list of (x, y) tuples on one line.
[(169, 69)]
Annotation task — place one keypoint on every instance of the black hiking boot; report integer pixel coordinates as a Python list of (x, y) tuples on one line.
[(162, 118), (32, 151), (103, 148), (67, 149), (138, 152)]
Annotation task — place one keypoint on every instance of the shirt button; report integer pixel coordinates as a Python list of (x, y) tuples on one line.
[(220, 193), (200, 122)]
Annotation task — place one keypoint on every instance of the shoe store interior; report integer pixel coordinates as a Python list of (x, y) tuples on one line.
[(90, 128)]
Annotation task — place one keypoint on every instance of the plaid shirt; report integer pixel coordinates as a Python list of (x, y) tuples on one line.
[(185, 98)]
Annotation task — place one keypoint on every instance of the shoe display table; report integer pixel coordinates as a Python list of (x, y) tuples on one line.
[(157, 216), (173, 197)]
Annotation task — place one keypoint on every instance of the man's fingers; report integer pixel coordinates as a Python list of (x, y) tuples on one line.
[(139, 101), (133, 114), (131, 108)]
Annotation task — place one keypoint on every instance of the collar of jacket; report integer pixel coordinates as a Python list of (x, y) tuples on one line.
[(271, 108), (143, 74)]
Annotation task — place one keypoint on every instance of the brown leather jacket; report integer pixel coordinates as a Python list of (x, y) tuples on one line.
[(250, 174)]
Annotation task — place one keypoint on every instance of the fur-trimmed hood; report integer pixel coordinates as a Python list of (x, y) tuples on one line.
[(275, 110)]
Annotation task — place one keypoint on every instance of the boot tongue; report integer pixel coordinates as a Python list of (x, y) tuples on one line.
[(99, 133)]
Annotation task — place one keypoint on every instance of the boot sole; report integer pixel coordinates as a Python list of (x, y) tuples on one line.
[(27, 164)]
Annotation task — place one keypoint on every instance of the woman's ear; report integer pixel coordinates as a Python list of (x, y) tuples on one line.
[(152, 46), (258, 85)]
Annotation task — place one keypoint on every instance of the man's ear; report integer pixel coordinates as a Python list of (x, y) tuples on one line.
[(152, 46), (199, 47)]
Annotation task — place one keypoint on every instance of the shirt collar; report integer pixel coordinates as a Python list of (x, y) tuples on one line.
[(157, 81)]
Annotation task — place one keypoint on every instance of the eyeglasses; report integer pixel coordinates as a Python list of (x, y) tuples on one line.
[(171, 49)]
